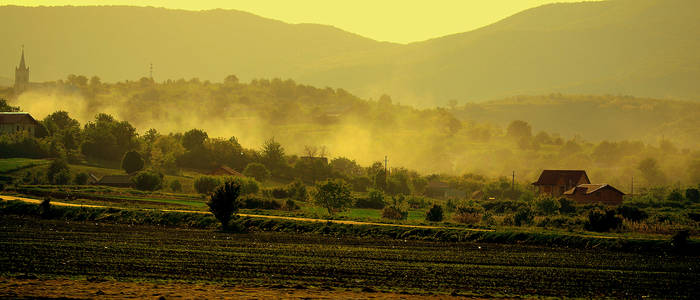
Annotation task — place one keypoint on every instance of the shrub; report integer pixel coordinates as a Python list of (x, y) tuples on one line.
[(394, 213), (333, 195), (62, 177), (417, 202), (45, 207), (692, 195), (290, 205), (81, 178), (57, 165), (524, 216), (297, 191), (148, 181), (471, 213), (375, 200), (566, 206), (602, 221), (223, 202), (434, 214), (279, 193), (253, 202), (680, 239), (257, 171), (504, 206), (632, 213), (206, 184), (175, 186), (132, 162), (547, 206), (249, 186), (675, 196)]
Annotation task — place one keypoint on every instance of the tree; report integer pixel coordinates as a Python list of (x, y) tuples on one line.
[(194, 139), (132, 162), (547, 206), (257, 171), (692, 195), (297, 191), (333, 195), (107, 138), (206, 184), (148, 181), (4, 107), (519, 129), (651, 171), (224, 202), (175, 186), (57, 166), (273, 155), (435, 214), (81, 178)]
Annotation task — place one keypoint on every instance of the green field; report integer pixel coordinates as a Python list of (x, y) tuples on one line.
[(8, 165), (100, 250)]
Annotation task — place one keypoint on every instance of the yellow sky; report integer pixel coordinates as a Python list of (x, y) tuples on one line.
[(399, 21)]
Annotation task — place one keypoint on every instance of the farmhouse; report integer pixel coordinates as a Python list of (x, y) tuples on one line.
[(595, 193), (115, 180), (556, 182), (13, 122), (225, 171)]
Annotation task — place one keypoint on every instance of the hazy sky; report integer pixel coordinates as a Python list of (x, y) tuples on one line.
[(385, 20)]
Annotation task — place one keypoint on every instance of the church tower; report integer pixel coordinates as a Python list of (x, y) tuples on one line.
[(21, 75)]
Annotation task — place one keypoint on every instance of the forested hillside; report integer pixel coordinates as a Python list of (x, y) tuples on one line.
[(525, 134), (643, 48)]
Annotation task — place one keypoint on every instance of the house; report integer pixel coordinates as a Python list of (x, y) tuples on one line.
[(556, 182), (440, 189), (115, 181), (595, 193), (13, 122), (225, 171)]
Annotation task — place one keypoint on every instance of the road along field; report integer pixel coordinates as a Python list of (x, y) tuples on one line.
[(99, 251)]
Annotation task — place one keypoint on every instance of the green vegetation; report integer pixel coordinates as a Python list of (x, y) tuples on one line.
[(223, 202), (8, 165)]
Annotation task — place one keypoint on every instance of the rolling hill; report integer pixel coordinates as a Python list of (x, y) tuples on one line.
[(644, 48)]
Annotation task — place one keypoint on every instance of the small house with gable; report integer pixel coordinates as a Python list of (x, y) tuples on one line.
[(556, 182), (595, 193)]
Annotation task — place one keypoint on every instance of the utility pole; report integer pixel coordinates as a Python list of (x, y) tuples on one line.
[(151, 71), (632, 189), (512, 185), (386, 174)]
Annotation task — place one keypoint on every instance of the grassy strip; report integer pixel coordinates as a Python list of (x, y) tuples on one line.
[(245, 224), (68, 194)]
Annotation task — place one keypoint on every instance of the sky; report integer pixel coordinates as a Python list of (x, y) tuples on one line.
[(400, 21)]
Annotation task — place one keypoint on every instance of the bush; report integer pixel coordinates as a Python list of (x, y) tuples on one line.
[(632, 213), (566, 206), (469, 214), (206, 184), (394, 213), (257, 171), (148, 181), (290, 205), (57, 166), (680, 239), (132, 162), (62, 177), (524, 216), (375, 200), (434, 214), (602, 221), (81, 178), (45, 207), (333, 195), (547, 206), (504, 206), (279, 193), (175, 186), (297, 191), (223, 202), (253, 202), (417, 202), (692, 195), (248, 185)]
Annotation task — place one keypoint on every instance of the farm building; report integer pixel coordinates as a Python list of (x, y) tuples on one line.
[(595, 193), (13, 122), (225, 171), (441, 189), (556, 182), (116, 180)]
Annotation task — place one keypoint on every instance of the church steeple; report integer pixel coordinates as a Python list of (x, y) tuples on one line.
[(21, 75)]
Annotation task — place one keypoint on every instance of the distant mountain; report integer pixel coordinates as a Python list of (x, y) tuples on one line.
[(645, 48), (118, 42)]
